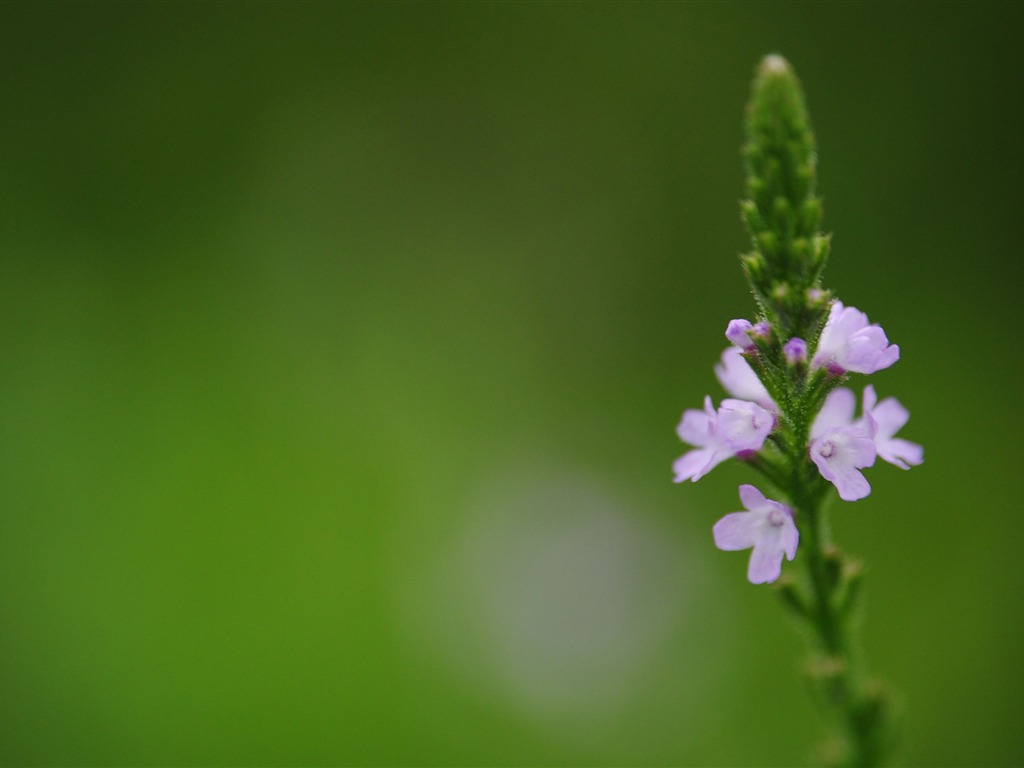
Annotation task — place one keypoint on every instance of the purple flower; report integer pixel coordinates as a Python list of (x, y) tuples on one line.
[(840, 454), (767, 526), (849, 343), (741, 333), (840, 448), (884, 420), (740, 381), (795, 351), (881, 421), (736, 427), (738, 333)]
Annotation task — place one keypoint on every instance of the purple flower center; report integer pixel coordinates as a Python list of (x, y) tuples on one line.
[(827, 450), (776, 517)]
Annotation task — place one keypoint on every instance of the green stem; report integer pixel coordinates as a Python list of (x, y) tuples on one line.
[(860, 708)]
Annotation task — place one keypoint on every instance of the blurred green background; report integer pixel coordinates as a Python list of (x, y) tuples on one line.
[(343, 347)]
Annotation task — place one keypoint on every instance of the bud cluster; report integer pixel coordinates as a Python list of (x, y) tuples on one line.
[(782, 212)]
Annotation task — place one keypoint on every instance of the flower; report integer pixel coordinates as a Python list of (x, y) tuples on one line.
[(880, 422), (849, 343), (767, 526), (738, 332), (742, 333), (840, 447), (736, 427), (739, 379), (840, 454)]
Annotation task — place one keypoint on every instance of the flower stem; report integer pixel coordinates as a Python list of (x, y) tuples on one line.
[(861, 708)]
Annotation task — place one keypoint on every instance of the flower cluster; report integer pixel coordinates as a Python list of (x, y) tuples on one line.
[(839, 443)]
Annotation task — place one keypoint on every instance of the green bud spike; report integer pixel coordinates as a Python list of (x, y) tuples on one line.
[(782, 213)]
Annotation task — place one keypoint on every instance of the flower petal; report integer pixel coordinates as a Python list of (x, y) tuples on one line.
[(889, 415), (765, 563), (851, 484), (868, 351), (737, 530), (740, 381), (790, 538), (693, 465), (837, 411), (695, 428), (903, 453), (752, 498), (743, 426), (870, 398)]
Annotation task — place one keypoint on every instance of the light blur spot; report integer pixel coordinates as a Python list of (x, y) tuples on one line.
[(557, 599), (576, 594)]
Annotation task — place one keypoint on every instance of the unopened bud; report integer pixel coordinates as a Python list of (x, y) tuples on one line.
[(795, 351), (738, 332)]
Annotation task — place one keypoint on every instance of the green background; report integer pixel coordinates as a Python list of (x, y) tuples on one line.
[(343, 347)]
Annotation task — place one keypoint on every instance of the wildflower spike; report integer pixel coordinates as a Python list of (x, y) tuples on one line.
[(790, 418)]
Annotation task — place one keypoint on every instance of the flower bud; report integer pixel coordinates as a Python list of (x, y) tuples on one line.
[(738, 333), (795, 351)]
